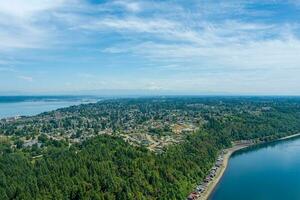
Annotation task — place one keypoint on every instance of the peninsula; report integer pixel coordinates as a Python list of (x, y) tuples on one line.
[(136, 148)]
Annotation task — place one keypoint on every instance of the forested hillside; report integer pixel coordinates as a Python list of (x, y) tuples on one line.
[(107, 168), (67, 154)]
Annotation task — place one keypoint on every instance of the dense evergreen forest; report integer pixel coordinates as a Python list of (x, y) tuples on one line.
[(105, 166)]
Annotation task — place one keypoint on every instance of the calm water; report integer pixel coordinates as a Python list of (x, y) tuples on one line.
[(27, 106), (266, 172)]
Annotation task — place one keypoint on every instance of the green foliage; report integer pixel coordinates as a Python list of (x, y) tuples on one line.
[(108, 168), (19, 143), (43, 138)]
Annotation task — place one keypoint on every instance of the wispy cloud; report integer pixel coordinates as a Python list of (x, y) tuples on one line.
[(86, 75), (7, 69), (24, 24), (203, 39), (26, 78), (131, 6)]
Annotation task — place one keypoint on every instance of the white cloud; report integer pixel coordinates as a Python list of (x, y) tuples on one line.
[(23, 24), (26, 78), (130, 24), (7, 69), (202, 36), (153, 86), (232, 45), (129, 5), (28, 8)]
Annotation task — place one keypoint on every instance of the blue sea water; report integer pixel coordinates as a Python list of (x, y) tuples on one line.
[(27, 106), (266, 172)]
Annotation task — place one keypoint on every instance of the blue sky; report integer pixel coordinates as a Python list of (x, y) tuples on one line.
[(157, 46)]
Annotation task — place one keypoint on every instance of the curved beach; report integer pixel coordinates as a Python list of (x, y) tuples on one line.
[(213, 183), (228, 152)]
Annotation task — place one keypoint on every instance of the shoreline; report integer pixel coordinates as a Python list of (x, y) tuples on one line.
[(288, 137), (211, 185), (220, 172), (40, 107)]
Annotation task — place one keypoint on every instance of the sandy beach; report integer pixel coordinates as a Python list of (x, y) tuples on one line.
[(213, 183), (291, 136)]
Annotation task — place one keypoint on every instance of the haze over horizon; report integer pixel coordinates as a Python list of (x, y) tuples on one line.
[(150, 47)]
